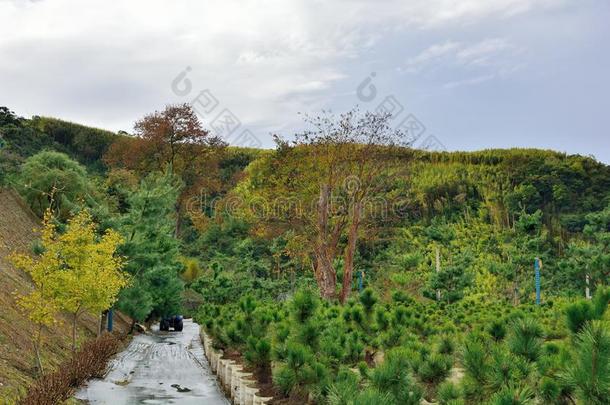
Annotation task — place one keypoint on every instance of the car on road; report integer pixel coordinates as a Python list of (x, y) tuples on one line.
[(175, 322)]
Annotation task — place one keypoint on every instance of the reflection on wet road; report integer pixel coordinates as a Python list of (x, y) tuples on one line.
[(158, 368)]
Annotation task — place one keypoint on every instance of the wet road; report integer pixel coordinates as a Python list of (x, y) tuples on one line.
[(158, 368)]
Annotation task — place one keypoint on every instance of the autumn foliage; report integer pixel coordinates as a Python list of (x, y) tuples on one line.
[(76, 272), (171, 141)]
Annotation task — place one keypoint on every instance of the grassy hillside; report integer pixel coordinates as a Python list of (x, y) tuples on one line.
[(18, 231)]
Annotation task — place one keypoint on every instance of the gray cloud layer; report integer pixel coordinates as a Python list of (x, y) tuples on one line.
[(478, 74)]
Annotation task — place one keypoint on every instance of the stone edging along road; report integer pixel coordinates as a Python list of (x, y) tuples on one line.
[(238, 384)]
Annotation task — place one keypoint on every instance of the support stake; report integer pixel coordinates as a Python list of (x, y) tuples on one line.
[(537, 267), (438, 270)]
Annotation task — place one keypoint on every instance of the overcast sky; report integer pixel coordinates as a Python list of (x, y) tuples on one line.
[(475, 74)]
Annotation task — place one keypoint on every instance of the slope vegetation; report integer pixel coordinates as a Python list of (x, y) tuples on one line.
[(18, 231)]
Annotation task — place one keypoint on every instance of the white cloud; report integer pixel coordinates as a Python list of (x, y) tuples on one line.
[(107, 63), (472, 63), (479, 53), (432, 54), (469, 82)]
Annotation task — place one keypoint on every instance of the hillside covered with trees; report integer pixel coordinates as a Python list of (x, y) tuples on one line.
[(343, 267)]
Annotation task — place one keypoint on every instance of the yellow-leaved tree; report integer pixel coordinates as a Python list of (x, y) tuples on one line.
[(77, 271), (91, 276), (41, 305)]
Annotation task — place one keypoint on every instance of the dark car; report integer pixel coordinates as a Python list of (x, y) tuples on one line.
[(175, 322)]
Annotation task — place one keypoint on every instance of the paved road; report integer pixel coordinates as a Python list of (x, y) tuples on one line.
[(158, 368)]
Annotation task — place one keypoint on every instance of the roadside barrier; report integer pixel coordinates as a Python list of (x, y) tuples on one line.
[(239, 385)]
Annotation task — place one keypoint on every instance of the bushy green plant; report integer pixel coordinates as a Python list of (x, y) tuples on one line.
[(368, 299), (285, 379), (589, 373), (497, 330), (525, 338), (475, 359), (434, 368), (600, 301), (513, 395), (374, 397), (304, 305), (258, 354), (578, 314), (446, 345), (382, 319), (344, 389), (506, 370), (581, 312), (549, 390), (448, 393), (392, 376)]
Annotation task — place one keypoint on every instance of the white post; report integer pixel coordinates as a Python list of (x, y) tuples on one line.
[(587, 291), (438, 269)]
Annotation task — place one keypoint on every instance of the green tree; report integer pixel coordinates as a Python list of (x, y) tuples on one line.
[(590, 372), (53, 180), (153, 251)]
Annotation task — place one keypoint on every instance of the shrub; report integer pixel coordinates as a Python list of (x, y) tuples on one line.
[(578, 314), (435, 368), (520, 395), (445, 345), (368, 299), (448, 393), (258, 354), (589, 374), (309, 333), (373, 397), (345, 388), (381, 319), (475, 359), (600, 302), (296, 356), (549, 390), (401, 297), (89, 362), (304, 305), (392, 376), (497, 330), (474, 391), (525, 338), (506, 370), (285, 379)]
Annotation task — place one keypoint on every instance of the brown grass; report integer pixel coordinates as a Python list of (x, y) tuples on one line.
[(89, 362)]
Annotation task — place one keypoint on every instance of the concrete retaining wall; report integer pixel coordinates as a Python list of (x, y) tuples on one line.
[(237, 383)]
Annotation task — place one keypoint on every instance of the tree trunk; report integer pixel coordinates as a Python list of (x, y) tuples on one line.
[(74, 318), (438, 270), (133, 325), (325, 273), (350, 251), (37, 343), (103, 322)]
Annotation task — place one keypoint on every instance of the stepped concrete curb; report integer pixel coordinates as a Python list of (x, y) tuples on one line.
[(239, 385)]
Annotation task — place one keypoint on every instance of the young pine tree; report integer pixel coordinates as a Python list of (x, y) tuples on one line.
[(153, 251)]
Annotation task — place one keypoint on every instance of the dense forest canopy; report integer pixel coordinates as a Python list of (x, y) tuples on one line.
[(311, 260)]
